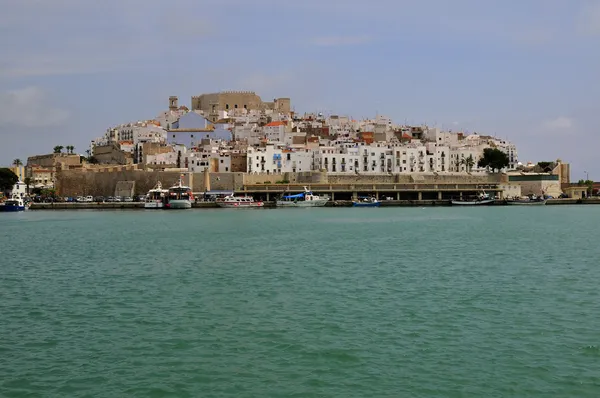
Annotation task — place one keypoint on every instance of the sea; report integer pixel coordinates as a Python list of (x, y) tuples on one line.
[(324, 302)]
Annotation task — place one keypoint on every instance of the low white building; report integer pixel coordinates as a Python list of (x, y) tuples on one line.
[(271, 159)]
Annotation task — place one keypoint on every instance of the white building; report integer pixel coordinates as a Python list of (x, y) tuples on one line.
[(271, 159)]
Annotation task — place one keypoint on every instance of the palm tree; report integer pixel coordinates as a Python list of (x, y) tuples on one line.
[(17, 162), (27, 181), (469, 162), (58, 149)]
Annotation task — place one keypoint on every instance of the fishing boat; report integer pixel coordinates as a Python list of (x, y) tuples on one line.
[(366, 202), (303, 199), (179, 196), (14, 204), (238, 202), (481, 199), (527, 201), (155, 199)]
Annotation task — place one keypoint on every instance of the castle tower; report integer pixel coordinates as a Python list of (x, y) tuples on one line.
[(173, 103)]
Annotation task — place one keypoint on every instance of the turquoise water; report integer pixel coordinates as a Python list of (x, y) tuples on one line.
[(344, 302)]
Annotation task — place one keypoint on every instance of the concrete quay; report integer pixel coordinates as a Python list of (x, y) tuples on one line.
[(392, 191)]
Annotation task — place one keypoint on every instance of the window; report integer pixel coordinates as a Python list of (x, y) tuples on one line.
[(221, 160), (226, 168), (245, 106), (226, 106), (235, 106)]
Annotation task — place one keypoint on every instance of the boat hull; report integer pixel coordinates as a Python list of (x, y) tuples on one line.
[(10, 209), (249, 205), (473, 203), (179, 204), (358, 204), (154, 205), (302, 203)]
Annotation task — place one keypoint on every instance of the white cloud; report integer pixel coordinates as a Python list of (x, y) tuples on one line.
[(560, 123), (328, 41), (29, 107)]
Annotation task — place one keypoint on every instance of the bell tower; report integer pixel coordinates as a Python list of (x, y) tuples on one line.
[(173, 103)]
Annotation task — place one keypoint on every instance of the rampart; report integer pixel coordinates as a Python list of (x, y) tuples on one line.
[(104, 180)]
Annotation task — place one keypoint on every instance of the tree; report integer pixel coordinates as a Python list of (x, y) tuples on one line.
[(92, 160), (589, 184), (493, 159), (17, 162), (58, 149), (469, 162), (27, 182), (7, 179)]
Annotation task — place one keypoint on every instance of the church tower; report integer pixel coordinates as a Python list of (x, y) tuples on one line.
[(173, 103)]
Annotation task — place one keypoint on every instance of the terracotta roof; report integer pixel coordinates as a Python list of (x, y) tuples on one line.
[(273, 124), (406, 136)]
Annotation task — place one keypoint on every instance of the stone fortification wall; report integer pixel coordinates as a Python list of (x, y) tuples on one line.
[(96, 183), (78, 182)]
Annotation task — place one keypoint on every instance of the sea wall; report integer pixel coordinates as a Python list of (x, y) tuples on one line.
[(104, 181)]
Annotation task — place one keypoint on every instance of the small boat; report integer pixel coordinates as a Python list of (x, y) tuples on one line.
[(366, 202), (239, 202), (13, 204), (527, 201), (179, 196), (304, 199), (479, 200), (156, 197)]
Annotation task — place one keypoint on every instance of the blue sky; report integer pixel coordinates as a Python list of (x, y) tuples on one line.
[(524, 70)]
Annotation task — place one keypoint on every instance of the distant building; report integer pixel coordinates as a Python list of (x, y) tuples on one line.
[(191, 128), (213, 103)]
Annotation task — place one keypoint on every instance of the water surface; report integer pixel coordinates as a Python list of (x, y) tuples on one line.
[(342, 302)]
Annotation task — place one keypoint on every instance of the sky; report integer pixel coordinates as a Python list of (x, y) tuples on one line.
[(527, 70)]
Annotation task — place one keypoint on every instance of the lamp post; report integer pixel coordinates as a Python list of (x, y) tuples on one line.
[(587, 176)]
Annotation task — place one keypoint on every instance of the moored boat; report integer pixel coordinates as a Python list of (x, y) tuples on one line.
[(155, 199), (527, 201), (13, 204), (479, 200), (303, 199), (239, 202), (179, 196), (366, 202)]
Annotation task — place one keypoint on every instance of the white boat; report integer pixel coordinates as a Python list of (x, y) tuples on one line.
[(179, 196), (238, 202), (481, 199), (155, 199), (527, 200), (304, 199)]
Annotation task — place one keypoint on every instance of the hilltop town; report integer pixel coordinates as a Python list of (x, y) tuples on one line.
[(244, 142)]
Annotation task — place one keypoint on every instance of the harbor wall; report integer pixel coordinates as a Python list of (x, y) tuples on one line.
[(103, 182)]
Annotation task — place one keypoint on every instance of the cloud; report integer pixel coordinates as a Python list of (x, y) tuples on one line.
[(588, 21), (560, 123), (330, 41), (29, 107)]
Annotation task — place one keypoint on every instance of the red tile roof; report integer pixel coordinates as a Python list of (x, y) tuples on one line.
[(274, 124)]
